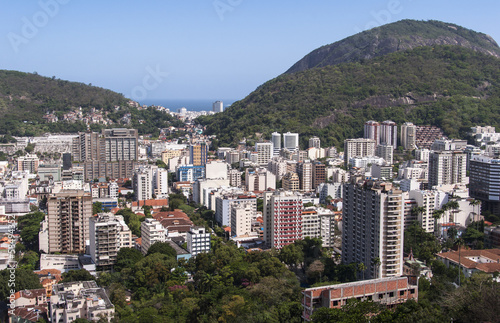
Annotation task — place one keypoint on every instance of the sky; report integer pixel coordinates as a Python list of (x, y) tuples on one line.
[(198, 49)]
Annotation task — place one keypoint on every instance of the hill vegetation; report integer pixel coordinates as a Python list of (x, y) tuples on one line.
[(25, 98), (447, 86), (398, 36)]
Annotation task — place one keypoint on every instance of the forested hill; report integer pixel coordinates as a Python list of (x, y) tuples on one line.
[(25, 98), (448, 86), (398, 36)]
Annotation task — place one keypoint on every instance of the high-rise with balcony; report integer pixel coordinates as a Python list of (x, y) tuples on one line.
[(152, 231), (264, 152), (373, 228), (447, 167), (314, 142), (282, 218), (409, 136), (372, 131), (389, 133), (68, 214), (359, 147), (108, 234)]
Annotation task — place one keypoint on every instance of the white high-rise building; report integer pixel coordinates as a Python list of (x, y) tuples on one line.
[(160, 182), (305, 172), (291, 141), (408, 136), (264, 152), (218, 106), (447, 167), (358, 148), (152, 231), (108, 234), (142, 182), (241, 219), (276, 140), (389, 133), (427, 200)]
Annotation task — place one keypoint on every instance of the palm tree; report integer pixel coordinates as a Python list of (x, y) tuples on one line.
[(437, 215), (376, 262), (362, 268)]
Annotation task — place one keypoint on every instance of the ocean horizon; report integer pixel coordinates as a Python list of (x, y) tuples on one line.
[(189, 104)]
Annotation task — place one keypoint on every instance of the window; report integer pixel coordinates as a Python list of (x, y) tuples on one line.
[(401, 293), (391, 294)]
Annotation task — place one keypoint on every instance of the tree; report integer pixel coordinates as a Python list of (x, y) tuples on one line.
[(96, 207), (77, 275), (362, 268), (376, 263), (30, 227), (437, 215), (315, 270), (474, 203), (164, 248), (292, 255), (127, 258), (24, 279)]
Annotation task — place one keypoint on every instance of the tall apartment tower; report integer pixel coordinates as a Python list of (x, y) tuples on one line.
[(108, 234), (447, 167), (282, 218), (314, 142), (264, 152), (218, 106), (198, 154), (276, 140), (386, 152), (68, 214), (120, 144), (305, 172), (373, 227), (372, 131), (142, 182), (160, 182), (291, 141), (319, 174), (389, 133), (408, 136), (358, 148)]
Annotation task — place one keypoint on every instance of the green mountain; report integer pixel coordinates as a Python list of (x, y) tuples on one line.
[(25, 98), (398, 36), (449, 86)]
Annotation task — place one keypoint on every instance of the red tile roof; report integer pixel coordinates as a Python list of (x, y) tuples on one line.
[(160, 203)]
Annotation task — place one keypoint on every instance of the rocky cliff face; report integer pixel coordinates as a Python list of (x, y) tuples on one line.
[(399, 36)]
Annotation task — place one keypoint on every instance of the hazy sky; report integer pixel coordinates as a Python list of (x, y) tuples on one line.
[(198, 49)]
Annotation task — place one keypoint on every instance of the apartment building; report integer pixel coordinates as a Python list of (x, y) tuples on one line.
[(447, 167), (282, 218), (28, 163), (108, 234), (408, 136), (484, 182), (241, 218), (358, 148), (152, 231), (373, 227), (68, 214), (264, 152), (198, 241)]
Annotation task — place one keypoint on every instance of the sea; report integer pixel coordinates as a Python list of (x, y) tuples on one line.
[(190, 105)]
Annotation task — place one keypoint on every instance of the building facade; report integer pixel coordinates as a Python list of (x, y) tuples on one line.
[(373, 228)]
